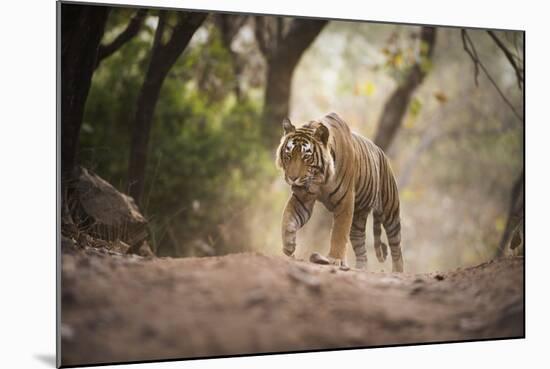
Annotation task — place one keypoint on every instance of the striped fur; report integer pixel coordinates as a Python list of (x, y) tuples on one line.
[(351, 176)]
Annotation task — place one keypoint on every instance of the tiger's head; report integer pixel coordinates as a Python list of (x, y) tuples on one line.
[(305, 157)]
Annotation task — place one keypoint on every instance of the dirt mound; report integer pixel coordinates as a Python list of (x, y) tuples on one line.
[(127, 308)]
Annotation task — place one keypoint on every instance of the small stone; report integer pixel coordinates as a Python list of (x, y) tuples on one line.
[(439, 277), (256, 297), (416, 290), (318, 259)]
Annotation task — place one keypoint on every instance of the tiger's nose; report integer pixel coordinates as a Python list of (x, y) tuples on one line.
[(293, 178)]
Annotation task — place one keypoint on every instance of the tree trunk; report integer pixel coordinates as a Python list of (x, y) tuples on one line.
[(277, 99), (515, 213), (163, 57), (282, 52), (229, 26), (82, 28), (396, 106)]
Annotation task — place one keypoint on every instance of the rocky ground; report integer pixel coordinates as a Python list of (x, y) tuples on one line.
[(127, 308)]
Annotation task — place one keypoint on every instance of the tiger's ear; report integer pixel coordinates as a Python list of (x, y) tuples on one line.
[(287, 126), (322, 133)]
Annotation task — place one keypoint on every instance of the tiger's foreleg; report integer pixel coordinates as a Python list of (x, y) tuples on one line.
[(297, 212), (341, 227)]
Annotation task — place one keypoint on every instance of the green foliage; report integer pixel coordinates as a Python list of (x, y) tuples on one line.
[(206, 160), (205, 168), (210, 66)]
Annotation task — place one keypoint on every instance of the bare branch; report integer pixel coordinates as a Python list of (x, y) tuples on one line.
[(510, 57), (470, 49)]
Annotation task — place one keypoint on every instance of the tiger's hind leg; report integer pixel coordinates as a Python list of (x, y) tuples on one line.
[(392, 226), (380, 247), (357, 239)]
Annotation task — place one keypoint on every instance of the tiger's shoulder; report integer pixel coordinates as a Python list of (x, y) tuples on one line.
[(335, 123)]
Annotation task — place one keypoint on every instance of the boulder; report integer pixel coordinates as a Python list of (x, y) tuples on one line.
[(105, 213)]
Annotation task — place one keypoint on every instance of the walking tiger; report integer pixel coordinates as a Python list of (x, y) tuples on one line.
[(325, 161)]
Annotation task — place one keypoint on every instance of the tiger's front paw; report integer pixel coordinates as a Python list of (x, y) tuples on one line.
[(329, 260), (341, 263), (289, 250)]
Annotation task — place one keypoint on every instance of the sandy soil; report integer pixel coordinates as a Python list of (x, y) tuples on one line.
[(127, 308)]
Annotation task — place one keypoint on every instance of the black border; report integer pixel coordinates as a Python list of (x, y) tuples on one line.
[(58, 188)]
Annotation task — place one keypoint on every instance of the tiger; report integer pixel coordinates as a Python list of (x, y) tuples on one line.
[(323, 160)]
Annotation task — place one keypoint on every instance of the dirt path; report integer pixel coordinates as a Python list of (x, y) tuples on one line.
[(120, 308)]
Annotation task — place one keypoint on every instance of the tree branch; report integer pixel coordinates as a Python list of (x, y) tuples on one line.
[(131, 30), (163, 57), (229, 26), (396, 105), (470, 49), (157, 41), (510, 57), (300, 35), (282, 44)]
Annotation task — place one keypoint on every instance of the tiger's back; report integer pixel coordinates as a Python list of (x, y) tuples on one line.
[(360, 166)]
